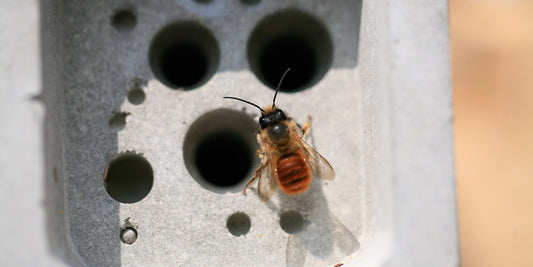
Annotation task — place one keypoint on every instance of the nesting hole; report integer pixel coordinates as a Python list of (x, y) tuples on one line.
[(291, 222), (123, 20), (250, 2), (223, 159), (136, 96), (219, 150), (290, 39), (128, 178), (117, 121), (238, 223), (184, 55)]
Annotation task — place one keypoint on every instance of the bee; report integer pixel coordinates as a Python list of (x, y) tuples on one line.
[(287, 161)]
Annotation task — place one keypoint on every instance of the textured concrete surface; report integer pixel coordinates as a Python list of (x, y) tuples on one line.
[(380, 110)]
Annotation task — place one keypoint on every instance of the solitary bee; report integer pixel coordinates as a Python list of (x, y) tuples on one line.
[(287, 160)]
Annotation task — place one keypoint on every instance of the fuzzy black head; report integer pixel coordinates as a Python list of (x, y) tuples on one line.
[(272, 117)]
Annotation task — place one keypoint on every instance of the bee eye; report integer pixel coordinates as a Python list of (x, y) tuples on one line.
[(263, 122), (280, 115)]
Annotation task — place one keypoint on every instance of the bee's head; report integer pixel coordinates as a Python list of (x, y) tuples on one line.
[(270, 117), (273, 120)]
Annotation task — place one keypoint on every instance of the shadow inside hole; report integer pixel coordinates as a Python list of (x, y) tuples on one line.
[(123, 20), (250, 2), (238, 223), (288, 52), (290, 39), (291, 222), (117, 121), (184, 55), (128, 178), (223, 159), (219, 150), (183, 65), (136, 96)]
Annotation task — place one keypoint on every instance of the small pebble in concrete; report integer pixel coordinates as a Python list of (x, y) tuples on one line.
[(128, 235)]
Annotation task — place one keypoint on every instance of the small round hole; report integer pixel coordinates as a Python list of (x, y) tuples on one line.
[(291, 222), (136, 96), (128, 178), (250, 2), (290, 39), (219, 150), (117, 121), (128, 235), (123, 20), (184, 55), (238, 223)]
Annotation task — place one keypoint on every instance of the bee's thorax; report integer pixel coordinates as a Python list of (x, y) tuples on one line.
[(278, 132)]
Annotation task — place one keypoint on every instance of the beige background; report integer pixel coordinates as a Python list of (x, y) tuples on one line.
[(492, 65)]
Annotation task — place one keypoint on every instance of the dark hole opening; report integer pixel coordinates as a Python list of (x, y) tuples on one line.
[(291, 222), (128, 178), (238, 223), (223, 159), (183, 65), (288, 52), (124, 20)]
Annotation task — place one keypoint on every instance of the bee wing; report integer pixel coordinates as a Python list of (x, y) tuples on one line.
[(344, 239), (268, 184), (319, 166)]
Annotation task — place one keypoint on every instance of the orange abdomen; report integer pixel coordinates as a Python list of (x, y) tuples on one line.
[(294, 176)]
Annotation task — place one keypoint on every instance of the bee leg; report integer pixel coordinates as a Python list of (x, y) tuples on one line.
[(253, 179), (305, 128)]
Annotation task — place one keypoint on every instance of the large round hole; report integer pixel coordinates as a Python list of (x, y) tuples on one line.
[(238, 223), (128, 178), (184, 55), (290, 39), (219, 150), (223, 158), (291, 222)]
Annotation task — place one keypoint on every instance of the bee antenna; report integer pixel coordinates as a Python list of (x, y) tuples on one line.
[(245, 101), (279, 85)]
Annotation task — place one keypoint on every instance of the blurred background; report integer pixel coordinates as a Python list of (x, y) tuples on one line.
[(492, 66)]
